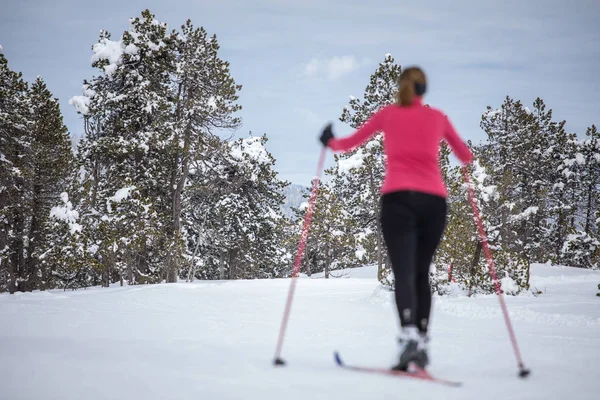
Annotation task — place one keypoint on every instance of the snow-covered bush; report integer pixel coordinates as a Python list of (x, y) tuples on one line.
[(582, 250)]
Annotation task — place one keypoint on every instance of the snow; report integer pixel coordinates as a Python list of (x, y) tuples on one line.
[(580, 158), (119, 196), (360, 253), (212, 103), (216, 340), (110, 51), (131, 49), (252, 147), (354, 161), (66, 213), (493, 113), (529, 211), (81, 104)]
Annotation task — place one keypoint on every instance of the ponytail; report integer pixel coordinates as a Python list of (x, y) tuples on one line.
[(406, 94), (412, 82)]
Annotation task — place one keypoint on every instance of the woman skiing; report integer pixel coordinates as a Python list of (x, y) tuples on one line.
[(413, 200)]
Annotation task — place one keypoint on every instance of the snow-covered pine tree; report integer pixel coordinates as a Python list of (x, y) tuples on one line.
[(358, 175), (234, 222), (581, 246), (508, 130), (333, 238), (15, 143), (35, 160), (590, 180), (51, 163), (459, 252), (148, 117), (68, 255), (563, 187), (512, 268), (205, 98), (126, 110)]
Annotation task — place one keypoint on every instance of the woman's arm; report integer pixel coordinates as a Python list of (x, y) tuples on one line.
[(366, 131), (457, 145)]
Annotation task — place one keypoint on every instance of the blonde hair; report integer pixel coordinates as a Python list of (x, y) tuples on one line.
[(409, 80)]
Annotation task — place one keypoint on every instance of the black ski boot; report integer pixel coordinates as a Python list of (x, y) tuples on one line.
[(423, 359), (411, 350)]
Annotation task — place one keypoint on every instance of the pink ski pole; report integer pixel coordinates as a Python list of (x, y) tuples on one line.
[(297, 262), (523, 372)]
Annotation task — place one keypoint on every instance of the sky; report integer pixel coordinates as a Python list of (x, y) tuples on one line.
[(299, 61)]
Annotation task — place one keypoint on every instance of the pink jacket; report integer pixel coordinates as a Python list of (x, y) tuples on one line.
[(411, 139)]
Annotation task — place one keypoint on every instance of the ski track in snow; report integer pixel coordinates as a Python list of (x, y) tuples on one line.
[(216, 340)]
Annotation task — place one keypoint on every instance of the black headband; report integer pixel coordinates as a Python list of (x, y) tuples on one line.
[(420, 88)]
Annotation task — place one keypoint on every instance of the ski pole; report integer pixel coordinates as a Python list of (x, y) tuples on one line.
[(523, 372), (297, 262)]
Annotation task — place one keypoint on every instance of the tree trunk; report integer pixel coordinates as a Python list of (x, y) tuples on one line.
[(221, 264), (17, 260), (108, 263), (474, 265), (4, 262), (130, 267), (192, 268), (94, 184), (221, 252), (559, 239), (178, 179), (589, 215), (379, 233), (29, 272), (327, 261), (35, 237)]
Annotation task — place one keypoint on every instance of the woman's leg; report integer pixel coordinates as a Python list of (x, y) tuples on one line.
[(399, 226), (431, 229)]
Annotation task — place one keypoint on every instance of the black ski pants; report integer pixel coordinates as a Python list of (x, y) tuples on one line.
[(412, 225)]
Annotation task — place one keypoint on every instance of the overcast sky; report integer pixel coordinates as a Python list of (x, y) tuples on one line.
[(300, 60)]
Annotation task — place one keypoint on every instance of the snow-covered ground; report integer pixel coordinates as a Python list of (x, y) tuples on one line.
[(216, 340)]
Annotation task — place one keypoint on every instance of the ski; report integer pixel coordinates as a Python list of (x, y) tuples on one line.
[(419, 373)]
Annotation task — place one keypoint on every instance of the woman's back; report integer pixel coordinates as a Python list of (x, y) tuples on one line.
[(412, 136)]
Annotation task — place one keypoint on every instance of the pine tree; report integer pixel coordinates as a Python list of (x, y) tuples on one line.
[(125, 111), (150, 115), (14, 145), (51, 164), (332, 242), (358, 175), (36, 158), (205, 99), (564, 184), (69, 257), (590, 177), (234, 223), (508, 130), (459, 249), (581, 247)]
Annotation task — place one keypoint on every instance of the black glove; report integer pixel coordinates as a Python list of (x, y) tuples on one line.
[(326, 135)]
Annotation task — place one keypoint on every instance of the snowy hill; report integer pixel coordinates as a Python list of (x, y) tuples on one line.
[(293, 198), (216, 340)]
